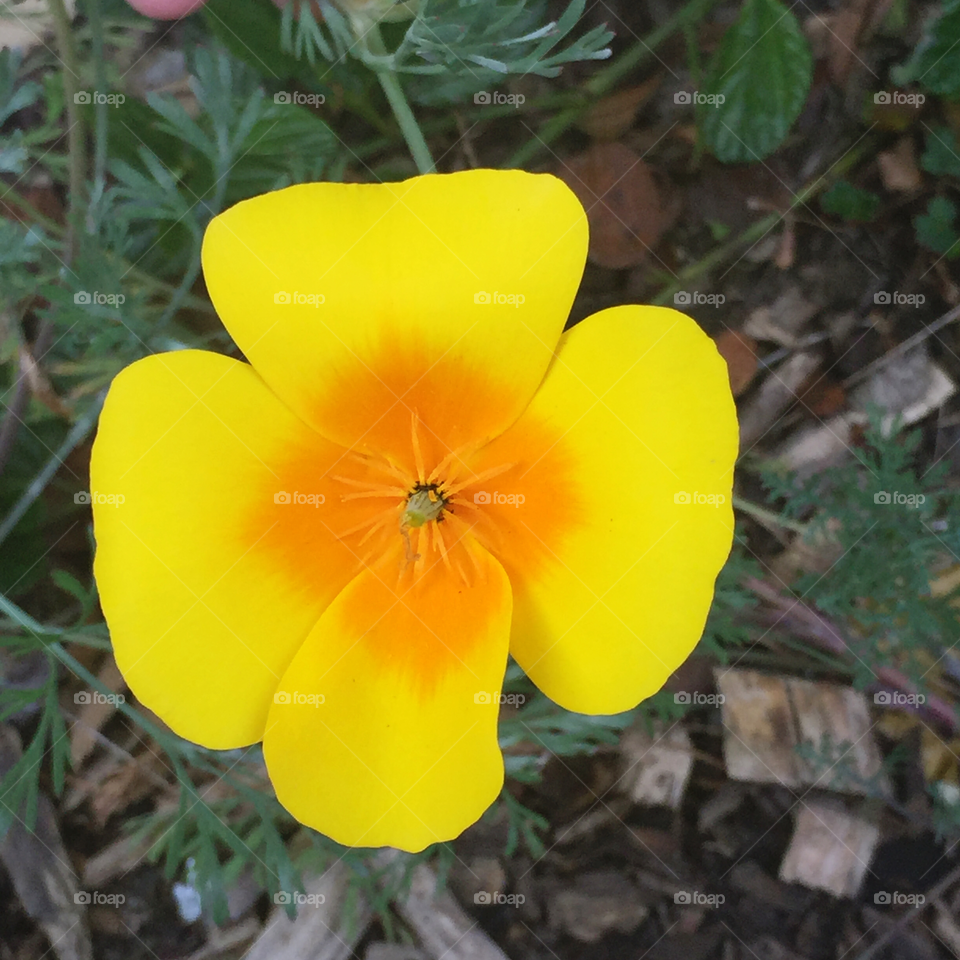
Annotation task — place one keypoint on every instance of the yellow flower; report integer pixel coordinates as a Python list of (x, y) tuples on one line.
[(333, 547)]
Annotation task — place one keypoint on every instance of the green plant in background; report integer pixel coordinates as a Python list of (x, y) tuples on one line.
[(890, 528), (758, 82), (937, 228), (845, 200), (942, 154), (934, 63)]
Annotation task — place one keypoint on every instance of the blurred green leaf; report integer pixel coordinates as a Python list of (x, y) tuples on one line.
[(935, 63), (937, 228), (763, 71), (942, 154), (251, 32), (845, 200)]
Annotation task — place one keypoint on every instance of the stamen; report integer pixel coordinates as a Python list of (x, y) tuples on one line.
[(376, 521), (376, 492), (386, 521), (480, 478), (443, 467), (417, 453), (383, 464), (439, 544)]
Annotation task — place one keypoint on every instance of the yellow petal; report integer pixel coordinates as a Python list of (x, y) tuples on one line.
[(208, 585), (384, 729), (348, 297), (612, 571)]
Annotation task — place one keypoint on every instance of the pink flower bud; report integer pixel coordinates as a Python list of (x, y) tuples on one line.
[(166, 9)]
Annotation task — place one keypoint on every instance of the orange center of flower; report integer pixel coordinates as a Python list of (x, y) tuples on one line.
[(429, 509), (420, 488)]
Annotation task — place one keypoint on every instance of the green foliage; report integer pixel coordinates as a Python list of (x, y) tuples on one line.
[(941, 156), (251, 32), (891, 526), (937, 228), (14, 96), (946, 809), (461, 47), (48, 747), (762, 71), (936, 61), (545, 730), (845, 200), (725, 631)]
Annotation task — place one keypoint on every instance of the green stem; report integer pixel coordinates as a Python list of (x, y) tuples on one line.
[(75, 132), (75, 436), (759, 229), (401, 108), (78, 669), (408, 122), (100, 110), (767, 517), (24, 619)]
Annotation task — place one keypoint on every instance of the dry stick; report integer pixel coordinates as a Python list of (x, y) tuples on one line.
[(75, 148), (902, 348), (756, 231), (932, 894)]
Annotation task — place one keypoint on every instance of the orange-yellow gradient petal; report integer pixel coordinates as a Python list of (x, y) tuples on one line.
[(468, 274), (627, 517), (209, 577), (365, 745)]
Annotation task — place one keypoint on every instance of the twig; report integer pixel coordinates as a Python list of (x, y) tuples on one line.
[(902, 348), (755, 231)]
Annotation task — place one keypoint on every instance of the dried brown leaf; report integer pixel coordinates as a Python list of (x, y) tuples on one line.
[(740, 352), (611, 117), (622, 201)]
